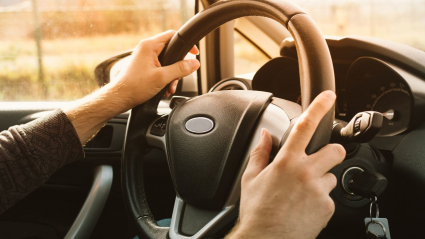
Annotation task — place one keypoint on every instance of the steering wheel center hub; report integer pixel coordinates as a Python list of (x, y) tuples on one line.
[(204, 163)]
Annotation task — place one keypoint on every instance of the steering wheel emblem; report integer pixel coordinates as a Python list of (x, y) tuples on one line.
[(199, 125)]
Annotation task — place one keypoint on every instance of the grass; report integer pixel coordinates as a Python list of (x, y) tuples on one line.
[(68, 66), (74, 43), (68, 83)]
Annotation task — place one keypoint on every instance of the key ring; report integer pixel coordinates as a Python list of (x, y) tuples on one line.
[(376, 207), (380, 224)]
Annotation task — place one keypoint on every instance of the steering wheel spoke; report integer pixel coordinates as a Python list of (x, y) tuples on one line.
[(220, 220), (277, 122), (155, 135)]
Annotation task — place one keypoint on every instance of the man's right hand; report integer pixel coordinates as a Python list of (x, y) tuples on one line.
[(289, 198), (144, 76), (139, 81)]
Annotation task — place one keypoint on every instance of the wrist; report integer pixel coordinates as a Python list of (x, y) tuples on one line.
[(119, 96)]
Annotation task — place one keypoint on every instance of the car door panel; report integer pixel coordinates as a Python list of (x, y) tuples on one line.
[(50, 211)]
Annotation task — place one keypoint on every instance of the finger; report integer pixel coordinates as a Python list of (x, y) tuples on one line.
[(156, 43), (259, 157), (194, 50), (304, 129), (179, 69), (167, 93), (329, 182), (172, 87), (164, 37), (326, 158)]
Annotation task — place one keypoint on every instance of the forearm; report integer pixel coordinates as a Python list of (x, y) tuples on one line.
[(30, 153), (89, 114)]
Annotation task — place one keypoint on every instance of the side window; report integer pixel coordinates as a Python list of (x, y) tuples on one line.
[(248, 57), (49, 49)]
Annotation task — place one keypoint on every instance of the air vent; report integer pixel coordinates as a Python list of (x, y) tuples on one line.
[(103, 139), (233, 87)]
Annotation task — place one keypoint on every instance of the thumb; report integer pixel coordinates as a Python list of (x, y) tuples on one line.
[(259, 158), (180, 69)]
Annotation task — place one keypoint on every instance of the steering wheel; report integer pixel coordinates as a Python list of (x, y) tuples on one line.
[(208, 139)]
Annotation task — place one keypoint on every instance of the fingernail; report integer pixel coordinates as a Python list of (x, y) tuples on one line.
[(197, 50), (263, 132), (175, 86)]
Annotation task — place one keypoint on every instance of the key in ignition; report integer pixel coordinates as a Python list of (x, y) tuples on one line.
[(367, 184)]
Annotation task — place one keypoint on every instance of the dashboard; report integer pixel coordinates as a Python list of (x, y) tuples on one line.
[(365, 81), (375, 85), (370, 75)]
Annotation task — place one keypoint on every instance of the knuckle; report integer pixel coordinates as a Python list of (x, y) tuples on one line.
[(245, 178), (321, 105), (184, 67), (158, 75), (304, 124), (281, 163), (256, 152), (316, 190), (328, 206), (330, 181), (306, 175), (288, 159), (333, 180), (143, 44), (339, 151), (335, 152)]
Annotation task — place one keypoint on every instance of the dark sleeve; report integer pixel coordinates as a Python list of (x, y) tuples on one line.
[(30, 153)]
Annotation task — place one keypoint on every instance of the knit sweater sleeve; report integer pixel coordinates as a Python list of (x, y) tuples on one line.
[(31, 153)]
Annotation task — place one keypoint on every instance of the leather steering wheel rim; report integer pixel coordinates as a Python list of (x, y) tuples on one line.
[(316, 73)]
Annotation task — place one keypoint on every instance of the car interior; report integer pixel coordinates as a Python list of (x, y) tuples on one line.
[(182, 157)]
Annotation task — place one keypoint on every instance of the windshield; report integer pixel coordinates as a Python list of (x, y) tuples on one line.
[(402, 21), (49, 48)]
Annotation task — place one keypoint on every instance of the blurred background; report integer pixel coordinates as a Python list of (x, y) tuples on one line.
[(49, 48)]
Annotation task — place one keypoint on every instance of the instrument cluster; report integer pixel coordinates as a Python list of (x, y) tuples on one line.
[(368, 84), (375, 85)]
